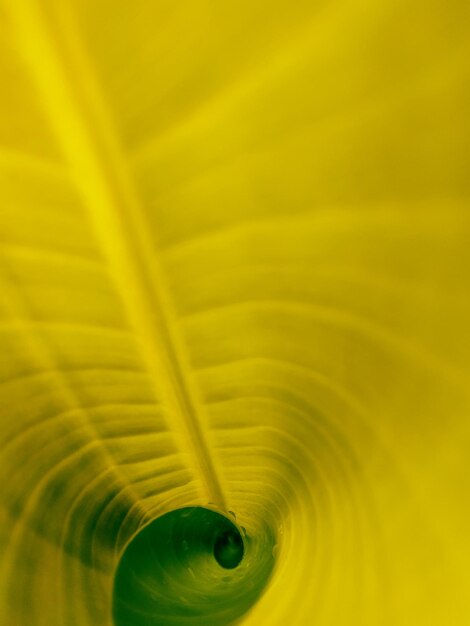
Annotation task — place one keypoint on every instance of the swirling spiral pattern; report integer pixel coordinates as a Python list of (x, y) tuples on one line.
[(234, 276), (192, 565)]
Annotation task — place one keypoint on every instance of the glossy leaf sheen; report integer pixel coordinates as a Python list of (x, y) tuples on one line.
[(234, 276)]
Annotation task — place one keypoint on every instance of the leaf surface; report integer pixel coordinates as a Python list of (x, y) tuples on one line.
[(234, 261)]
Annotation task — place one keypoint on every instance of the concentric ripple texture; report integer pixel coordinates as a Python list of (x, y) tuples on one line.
[(234, 312), (175, 564)]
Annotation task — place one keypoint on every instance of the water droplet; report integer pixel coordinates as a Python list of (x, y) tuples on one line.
[(228, 549)]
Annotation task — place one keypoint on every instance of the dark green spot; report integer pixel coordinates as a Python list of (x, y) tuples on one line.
[(174, 572), (228, 549)]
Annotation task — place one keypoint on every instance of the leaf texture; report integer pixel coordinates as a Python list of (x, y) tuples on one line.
[(234, 274)]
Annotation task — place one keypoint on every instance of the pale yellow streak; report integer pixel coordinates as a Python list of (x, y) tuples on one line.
[(82, 125)]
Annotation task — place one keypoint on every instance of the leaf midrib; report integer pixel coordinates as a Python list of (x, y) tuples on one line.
[(82, 125)]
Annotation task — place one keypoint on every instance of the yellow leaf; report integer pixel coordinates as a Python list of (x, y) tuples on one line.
[(234, 304)]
